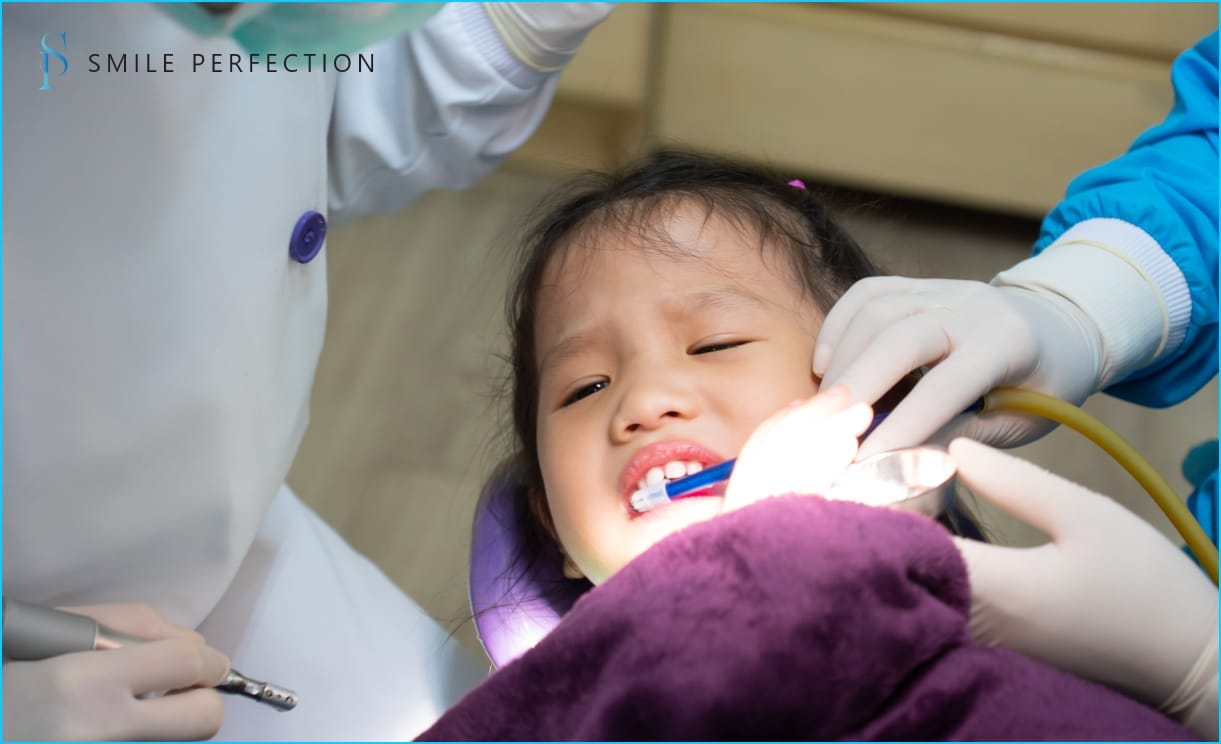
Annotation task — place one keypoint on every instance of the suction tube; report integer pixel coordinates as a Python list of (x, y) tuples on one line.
[(1012, 399)]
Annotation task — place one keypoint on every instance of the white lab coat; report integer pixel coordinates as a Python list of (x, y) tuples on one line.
[(160, 344)]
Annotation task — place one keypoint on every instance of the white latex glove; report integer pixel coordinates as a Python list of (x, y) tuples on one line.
[(544, 36), (1109, 598), (1066, 323), (800, 449), (974, 336), (93, 695)]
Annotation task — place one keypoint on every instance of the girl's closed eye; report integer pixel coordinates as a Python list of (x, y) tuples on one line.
[(584, 392), (709, 348)]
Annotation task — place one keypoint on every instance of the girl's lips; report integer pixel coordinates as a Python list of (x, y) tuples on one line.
[(657, 455), (717, 489)]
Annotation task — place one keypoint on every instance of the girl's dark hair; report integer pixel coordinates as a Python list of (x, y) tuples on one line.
[(822, 256)]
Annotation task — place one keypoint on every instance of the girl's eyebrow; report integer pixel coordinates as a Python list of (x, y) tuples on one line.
[(569, 347), (721, 298)]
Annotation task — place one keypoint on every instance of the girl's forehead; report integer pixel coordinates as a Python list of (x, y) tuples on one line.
[(636, 277), (683, 234)]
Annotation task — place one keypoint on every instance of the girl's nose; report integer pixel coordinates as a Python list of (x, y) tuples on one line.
[(651, 402)]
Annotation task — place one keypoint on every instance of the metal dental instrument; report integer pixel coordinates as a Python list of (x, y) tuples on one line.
[(919, 479), (277, 697), (33, 632)]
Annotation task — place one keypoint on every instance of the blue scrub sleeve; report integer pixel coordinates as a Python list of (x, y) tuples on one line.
[(1200, 470), (1166, 184), (1203, 505)]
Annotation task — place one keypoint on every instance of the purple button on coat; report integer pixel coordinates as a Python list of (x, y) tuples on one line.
[(308, 234)]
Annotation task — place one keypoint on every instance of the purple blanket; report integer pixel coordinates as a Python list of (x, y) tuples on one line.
[(795, 618)]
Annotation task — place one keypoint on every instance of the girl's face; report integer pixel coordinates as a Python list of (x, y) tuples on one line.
[(654, 362)]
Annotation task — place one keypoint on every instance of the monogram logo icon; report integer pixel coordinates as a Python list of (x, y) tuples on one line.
[(47, 53)]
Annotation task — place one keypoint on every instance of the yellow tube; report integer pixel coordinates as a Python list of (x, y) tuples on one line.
[(1123, 453)]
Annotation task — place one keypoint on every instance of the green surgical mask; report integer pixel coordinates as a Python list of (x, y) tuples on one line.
[(320, 28)]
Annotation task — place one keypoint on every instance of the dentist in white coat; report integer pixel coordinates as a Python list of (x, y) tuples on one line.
[(164, 300)]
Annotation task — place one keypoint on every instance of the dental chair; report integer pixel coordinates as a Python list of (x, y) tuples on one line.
[(516, 601)]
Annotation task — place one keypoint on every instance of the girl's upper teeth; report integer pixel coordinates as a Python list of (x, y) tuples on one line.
[(672, 470)]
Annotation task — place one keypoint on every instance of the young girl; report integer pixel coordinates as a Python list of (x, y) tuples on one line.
[(660, 315), (663, 321)]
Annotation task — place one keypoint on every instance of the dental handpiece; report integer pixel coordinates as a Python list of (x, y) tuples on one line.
[(659, 494), (33, 633)]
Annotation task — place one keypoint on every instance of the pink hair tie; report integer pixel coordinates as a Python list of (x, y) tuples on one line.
[(797, 184)]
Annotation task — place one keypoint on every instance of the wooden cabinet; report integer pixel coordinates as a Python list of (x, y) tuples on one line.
[(995, 106)]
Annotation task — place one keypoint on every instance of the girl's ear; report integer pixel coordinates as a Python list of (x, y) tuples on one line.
[(570, 569)]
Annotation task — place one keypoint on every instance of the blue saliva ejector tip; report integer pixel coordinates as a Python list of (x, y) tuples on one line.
[(659, 494)]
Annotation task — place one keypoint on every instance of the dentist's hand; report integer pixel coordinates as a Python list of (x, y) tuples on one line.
[(1109, 598), (545, 36), (800, 449), (93, 695), (974, 336)]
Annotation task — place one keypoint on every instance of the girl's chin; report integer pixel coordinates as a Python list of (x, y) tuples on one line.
[(657, 524)]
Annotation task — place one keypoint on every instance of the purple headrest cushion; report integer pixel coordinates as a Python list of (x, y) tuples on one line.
[(516, 598)]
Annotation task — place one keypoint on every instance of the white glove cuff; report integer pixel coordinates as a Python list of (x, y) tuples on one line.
[(1116, 296), (1146, 255), (492, 46), (545, 36), (1194, 703)]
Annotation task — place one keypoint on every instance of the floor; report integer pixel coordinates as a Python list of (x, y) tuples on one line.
[(406, 416)]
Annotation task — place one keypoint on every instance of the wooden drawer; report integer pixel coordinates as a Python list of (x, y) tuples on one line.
[(902, 104), (994, 106), (1153, 30)]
